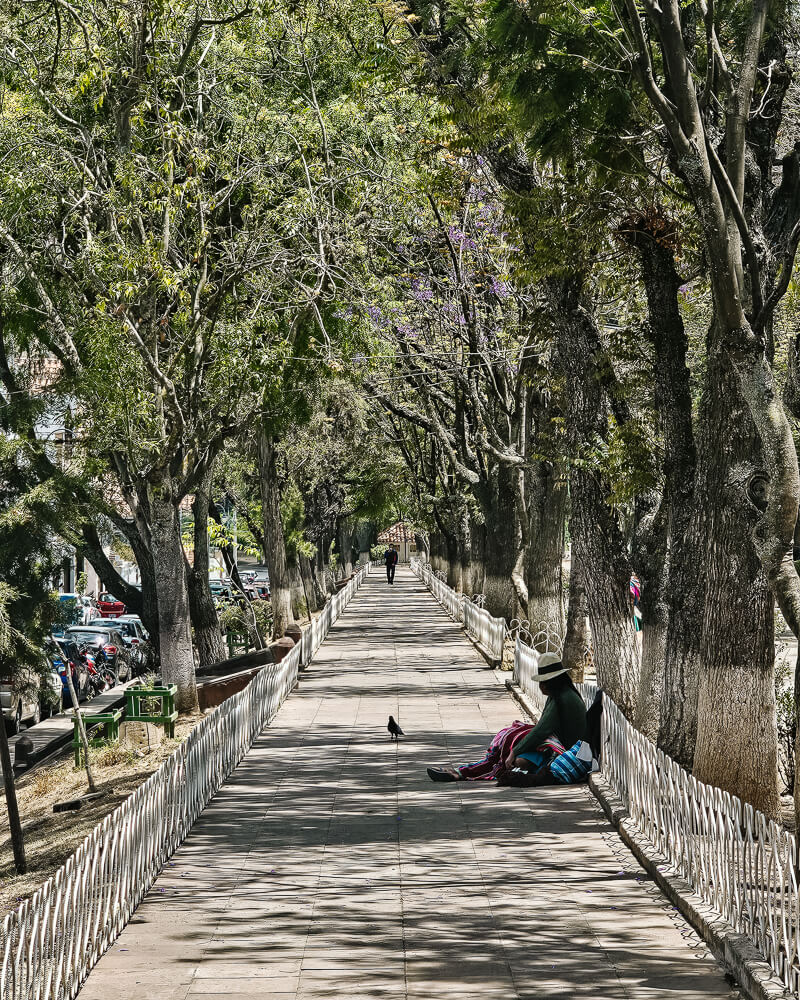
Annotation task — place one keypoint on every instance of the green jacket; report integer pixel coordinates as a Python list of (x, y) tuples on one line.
[(564, 716)]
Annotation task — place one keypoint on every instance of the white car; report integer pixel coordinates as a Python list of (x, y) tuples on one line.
[(136, 621), (21, 698), (85, 608)]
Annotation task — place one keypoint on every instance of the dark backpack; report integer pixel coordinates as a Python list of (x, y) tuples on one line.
[(594, 715)]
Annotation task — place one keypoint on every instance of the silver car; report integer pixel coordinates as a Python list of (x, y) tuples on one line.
[(22, 697)]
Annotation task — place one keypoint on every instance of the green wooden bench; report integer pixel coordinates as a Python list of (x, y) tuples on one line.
[(108, 722), (237, 643), (134, 696)]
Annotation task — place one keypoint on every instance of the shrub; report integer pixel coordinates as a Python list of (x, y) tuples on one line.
[(239, 620)]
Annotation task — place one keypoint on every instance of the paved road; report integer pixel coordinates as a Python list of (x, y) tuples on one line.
[(329, 866)]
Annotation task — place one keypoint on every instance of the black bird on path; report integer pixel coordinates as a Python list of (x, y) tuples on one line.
[(394, 729)]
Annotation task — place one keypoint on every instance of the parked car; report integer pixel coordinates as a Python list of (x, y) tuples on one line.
[(222, 593), (27, 696), (65, 655), (109, 606), (107, 646), (83, 609), (138, 621), (133, 635)]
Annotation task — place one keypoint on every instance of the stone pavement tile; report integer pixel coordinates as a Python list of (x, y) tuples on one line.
[(124, 989), (259, 967), (245, 991), (247, 984), (455, 991)]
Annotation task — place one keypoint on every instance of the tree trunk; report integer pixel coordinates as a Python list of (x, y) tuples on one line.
[(280, 585), (320, 567), (736, 723), (300, 607), (547, 504), (796, 790), (14, 824), (502, 541), (225, 548), (453, 561), (650, 558), (174, 622), (668, 558), (598, 542), (309, 584), (207, 633), (344, 543), (465, 551), (578, 640), (478, 539)]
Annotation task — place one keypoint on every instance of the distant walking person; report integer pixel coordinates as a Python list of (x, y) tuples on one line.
[(391, 561)]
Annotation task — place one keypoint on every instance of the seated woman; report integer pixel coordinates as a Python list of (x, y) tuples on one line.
[(527, 755)]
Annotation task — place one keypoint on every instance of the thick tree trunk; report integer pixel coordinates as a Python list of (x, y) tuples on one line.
[(502, 541), (309, 584), (438, 564), (344, 543), (279, 582), (650, 558), (685, 597), (478, 540), (453, 561), (320, 567), (598, 543), (207, 633), (465, 551), (578, 639), (736, 728), (300, 608), (547, 504), (796, 789), (668, 558), (174, 623), (12, 808)]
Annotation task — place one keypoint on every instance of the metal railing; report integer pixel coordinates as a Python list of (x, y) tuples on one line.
[(488, 631), (50, 943), (736, 859)]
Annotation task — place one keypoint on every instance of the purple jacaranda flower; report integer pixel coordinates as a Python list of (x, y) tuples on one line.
[(499, 288)]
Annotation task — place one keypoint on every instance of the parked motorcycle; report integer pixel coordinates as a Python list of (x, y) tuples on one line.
[(101, 676)]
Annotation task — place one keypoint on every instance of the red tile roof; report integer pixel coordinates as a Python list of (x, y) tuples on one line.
[(399, 532)]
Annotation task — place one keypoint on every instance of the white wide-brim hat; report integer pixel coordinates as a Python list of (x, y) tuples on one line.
[(551, 660)]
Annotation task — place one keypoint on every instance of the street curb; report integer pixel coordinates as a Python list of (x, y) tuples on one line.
[(734, 950)]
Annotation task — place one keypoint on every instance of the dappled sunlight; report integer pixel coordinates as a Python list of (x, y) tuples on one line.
[(329, 865)]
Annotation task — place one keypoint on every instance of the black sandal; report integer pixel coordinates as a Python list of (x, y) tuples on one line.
[(437, 774)]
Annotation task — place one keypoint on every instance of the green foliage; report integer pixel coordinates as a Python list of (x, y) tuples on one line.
[(28, 563), (293, 513), (237, 619), (630, 461)]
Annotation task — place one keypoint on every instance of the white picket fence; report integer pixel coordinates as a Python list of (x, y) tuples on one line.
[(487, 631), (736, 859), (49, 944)]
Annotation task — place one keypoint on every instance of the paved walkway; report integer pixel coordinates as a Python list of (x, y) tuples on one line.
[(329, 866)]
